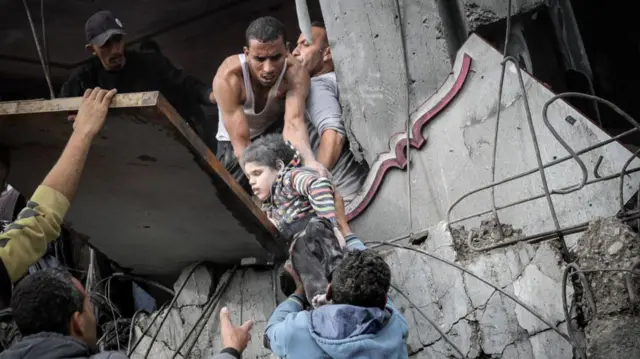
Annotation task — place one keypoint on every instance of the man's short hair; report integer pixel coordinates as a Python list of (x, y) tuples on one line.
[(265, 29), (362, 279), (45, 301), (267, 150), (318, 23)]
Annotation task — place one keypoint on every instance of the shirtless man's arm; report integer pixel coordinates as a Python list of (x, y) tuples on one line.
[(295, 129), (228, 93)]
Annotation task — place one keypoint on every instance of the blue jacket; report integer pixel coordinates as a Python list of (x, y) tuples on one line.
[(337, 331)]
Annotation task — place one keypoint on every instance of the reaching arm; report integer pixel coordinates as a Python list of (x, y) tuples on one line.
[(295, 130), (318, 189), (227, 91), (26, 239), (330, 148), (324, 112), (279, 329)]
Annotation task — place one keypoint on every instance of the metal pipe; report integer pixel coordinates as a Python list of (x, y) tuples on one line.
[(304, 20)]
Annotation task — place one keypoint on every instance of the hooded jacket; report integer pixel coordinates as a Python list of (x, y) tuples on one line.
[(337, 331), (54, 346)]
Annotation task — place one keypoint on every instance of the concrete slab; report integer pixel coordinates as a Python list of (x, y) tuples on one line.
[(453, 155), (152, 197)]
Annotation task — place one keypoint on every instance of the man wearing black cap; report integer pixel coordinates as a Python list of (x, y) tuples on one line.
[(112, 66)]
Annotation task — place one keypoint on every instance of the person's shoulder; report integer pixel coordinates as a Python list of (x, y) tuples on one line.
[(325, 82), (230, 68), (299, 320), (329, 77), (228, 84), (397, 318), (89, 66), (146, 59), (229, 72)]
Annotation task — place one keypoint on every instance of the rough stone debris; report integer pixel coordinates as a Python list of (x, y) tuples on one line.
[(479, 320), (486, 235), (482, 322), (248, 296), (614, 332)]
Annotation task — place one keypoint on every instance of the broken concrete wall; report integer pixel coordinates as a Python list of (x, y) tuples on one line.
[(248, 295), (457, 158), (484, 12), (369, 45), (482, 322), (479, 320), (368, 51)]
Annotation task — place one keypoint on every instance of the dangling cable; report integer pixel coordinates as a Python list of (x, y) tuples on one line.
[(45, 43), (35, 40)]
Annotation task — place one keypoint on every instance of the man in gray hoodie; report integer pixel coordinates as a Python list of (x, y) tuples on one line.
[(360, 323), (54, 314)]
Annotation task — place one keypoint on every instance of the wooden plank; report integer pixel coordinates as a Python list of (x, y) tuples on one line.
[(147, 185), (70, 104)]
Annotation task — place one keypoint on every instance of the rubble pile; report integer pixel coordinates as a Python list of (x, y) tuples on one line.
[(482, 322), (614, 331)]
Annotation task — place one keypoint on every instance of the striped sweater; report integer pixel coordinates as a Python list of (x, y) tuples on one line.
[(298, 193)]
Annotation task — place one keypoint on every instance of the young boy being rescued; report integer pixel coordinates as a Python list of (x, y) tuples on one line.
[(301, 204)]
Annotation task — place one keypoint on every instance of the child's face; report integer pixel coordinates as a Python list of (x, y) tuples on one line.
[(261, 178)]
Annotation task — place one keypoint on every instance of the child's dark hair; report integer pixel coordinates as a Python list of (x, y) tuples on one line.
[(267, 150)]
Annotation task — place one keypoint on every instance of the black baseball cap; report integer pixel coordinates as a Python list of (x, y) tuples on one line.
[(101, 26)]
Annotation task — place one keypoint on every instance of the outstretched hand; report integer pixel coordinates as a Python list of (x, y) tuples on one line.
[(232, 337)]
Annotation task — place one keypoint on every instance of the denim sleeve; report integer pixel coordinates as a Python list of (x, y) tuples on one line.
[(280, 325)]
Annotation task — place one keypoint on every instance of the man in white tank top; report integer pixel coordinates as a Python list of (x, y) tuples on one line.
[(253, 89)]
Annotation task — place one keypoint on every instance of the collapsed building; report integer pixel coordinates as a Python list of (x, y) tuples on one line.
[(508, 214)]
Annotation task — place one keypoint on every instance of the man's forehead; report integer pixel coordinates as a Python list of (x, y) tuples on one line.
[(318, 33), (266, 49)]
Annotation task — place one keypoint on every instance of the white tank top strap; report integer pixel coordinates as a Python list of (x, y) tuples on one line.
[(248, 104)]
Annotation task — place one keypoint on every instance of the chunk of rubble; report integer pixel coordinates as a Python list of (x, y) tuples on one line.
[(248, 296), (482, 322), (614, 332)]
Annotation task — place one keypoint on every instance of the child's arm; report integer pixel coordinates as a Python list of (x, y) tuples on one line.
[(318, 189)]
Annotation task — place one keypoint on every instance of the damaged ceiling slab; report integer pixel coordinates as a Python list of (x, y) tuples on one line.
[(152, 197)]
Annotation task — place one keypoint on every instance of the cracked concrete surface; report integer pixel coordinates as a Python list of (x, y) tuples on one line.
[(482, 322), (248, 296)]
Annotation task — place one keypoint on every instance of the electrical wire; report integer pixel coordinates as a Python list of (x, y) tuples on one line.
[(206, 313), (164, 318), (494, 286), (37, 42), (45, 43), (497, 127), (408, 121), (571, 270), (433, 324)]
